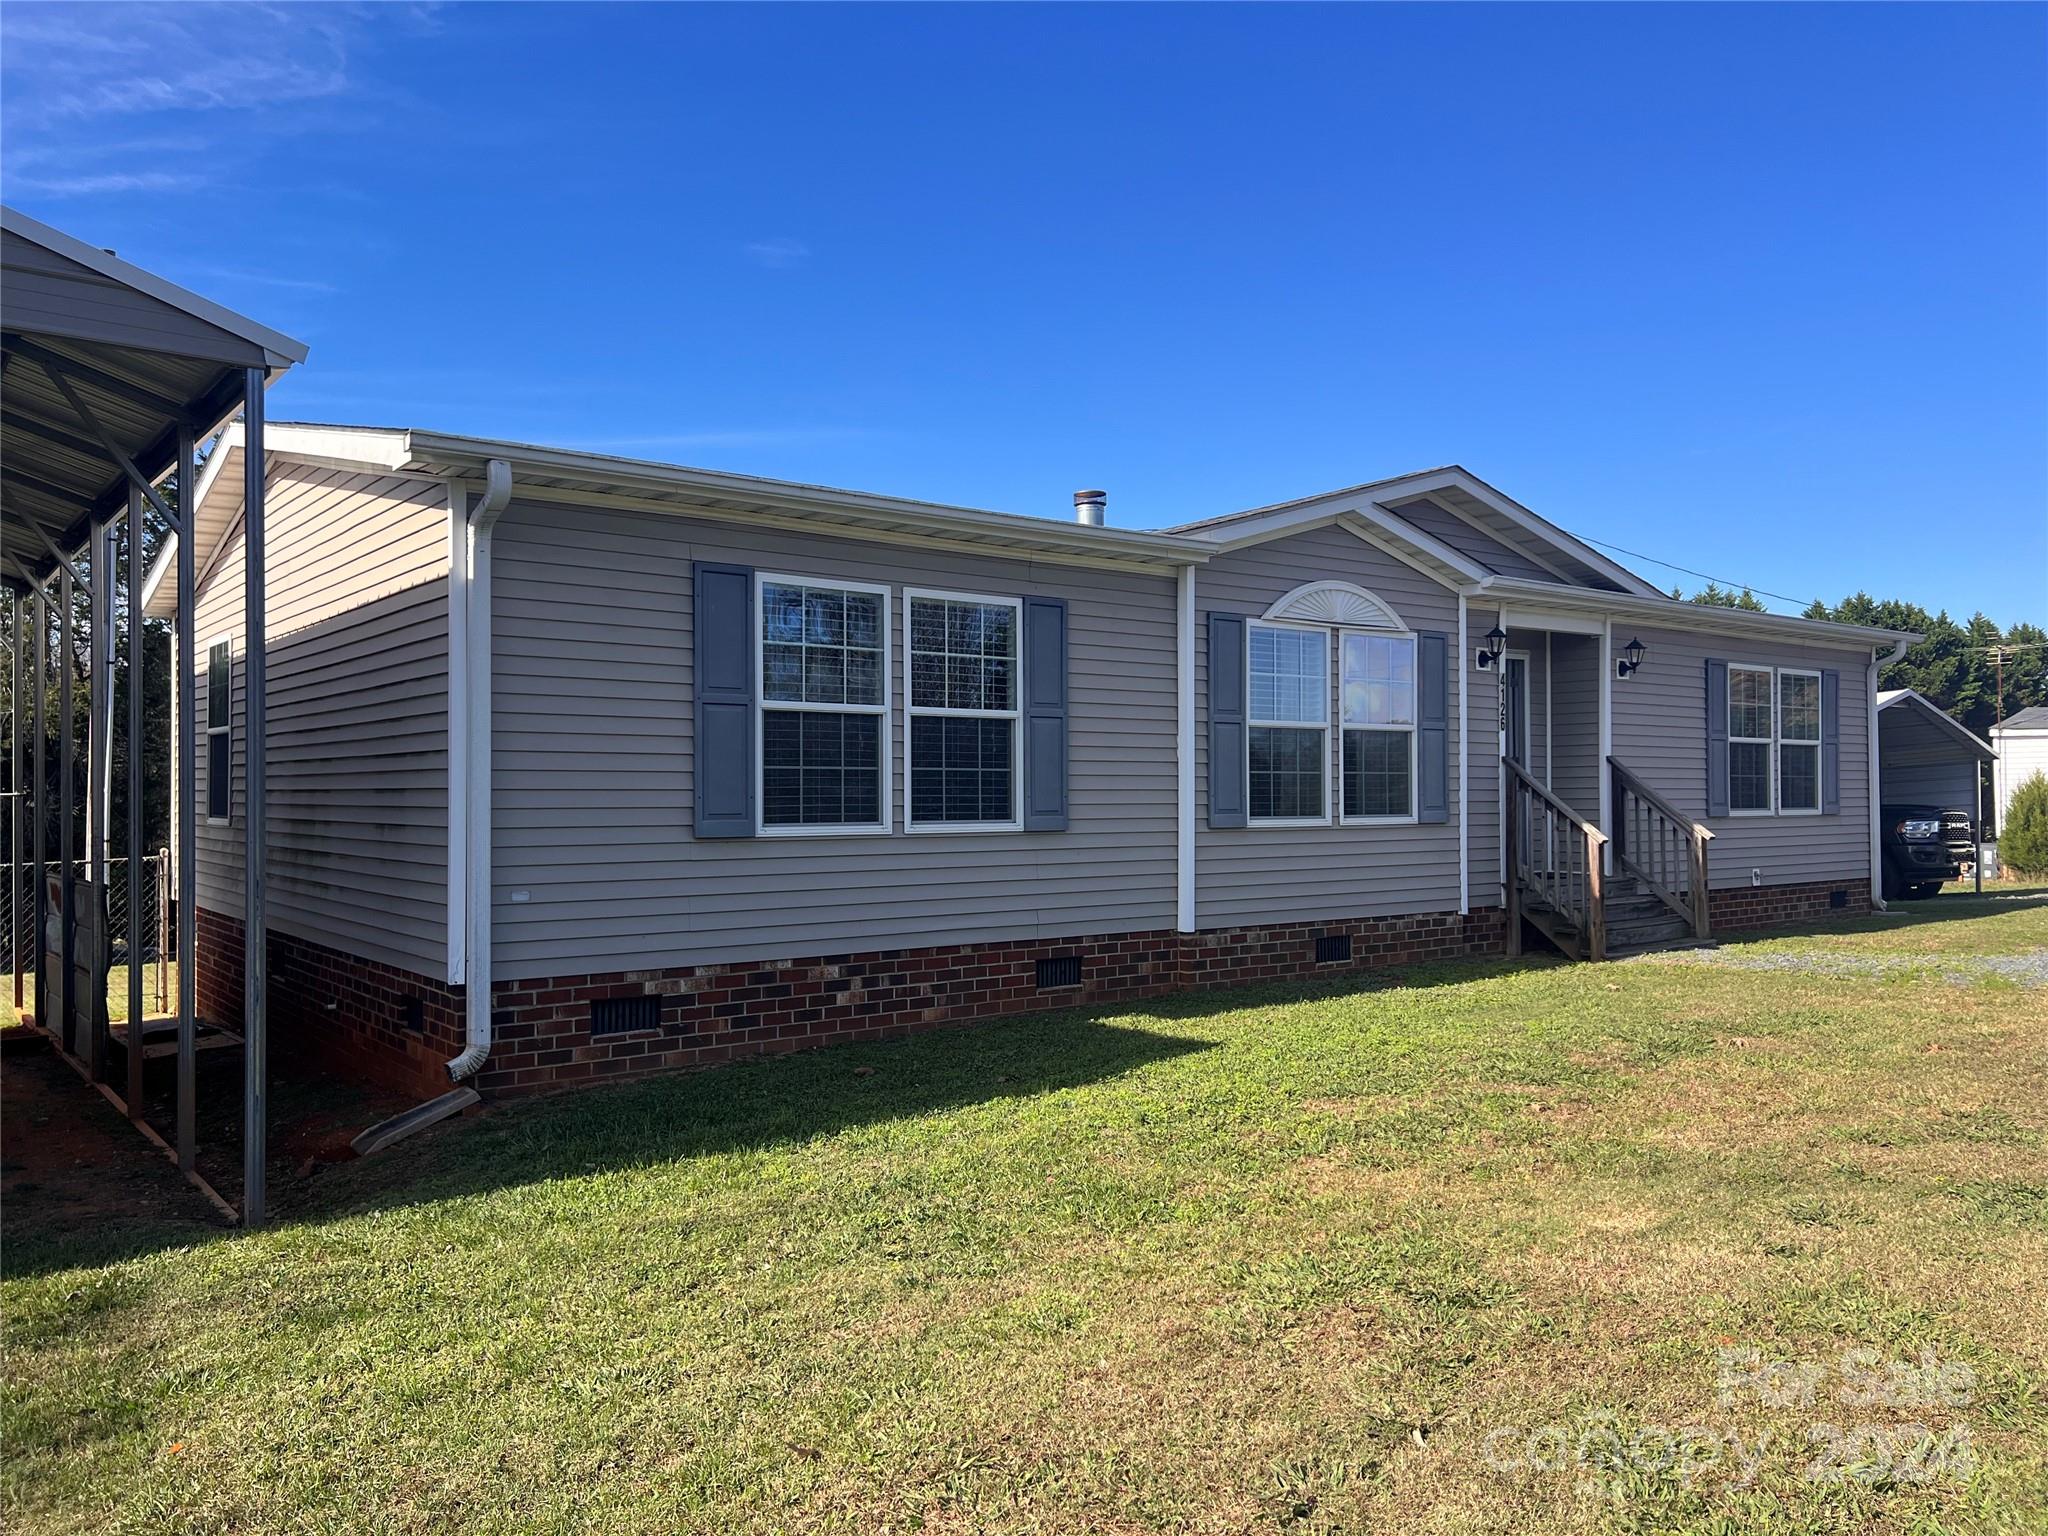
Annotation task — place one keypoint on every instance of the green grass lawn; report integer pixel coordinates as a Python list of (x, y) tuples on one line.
[(117, 992), (1307, 1260)]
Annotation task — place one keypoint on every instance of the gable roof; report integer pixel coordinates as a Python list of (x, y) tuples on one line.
[(573, 476), (1921, 707), (1464, 495), (2034, 718)]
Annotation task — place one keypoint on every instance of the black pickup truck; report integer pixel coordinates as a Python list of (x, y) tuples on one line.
[(1923, 846)]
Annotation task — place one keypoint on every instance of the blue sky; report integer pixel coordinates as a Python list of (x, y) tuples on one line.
[(1760, 290)]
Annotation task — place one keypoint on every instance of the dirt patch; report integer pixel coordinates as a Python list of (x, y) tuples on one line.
[(69, 1164), (80, 1184)]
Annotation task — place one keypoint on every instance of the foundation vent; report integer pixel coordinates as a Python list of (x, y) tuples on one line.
[(1059, 971), (622, 1015), (1333, 947)]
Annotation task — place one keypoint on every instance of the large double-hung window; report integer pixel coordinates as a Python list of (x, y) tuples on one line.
[(824, 679), (1774, 740), (963, 716), (1798, 740), (1377, 701), (1288, 723)]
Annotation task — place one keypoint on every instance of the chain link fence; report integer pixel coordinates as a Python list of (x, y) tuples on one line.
[(142, 935)]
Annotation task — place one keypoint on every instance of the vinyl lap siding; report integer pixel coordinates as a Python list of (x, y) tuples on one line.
[(1575, 722), (595, 865), (1660, 732), (358, 716), (1261, 875)]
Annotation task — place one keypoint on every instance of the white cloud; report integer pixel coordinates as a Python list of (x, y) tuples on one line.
[(779, 254)]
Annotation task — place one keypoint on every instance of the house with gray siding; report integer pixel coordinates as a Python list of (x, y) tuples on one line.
[(583, 766)]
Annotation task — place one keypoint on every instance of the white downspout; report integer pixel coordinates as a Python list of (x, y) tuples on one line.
[(483, 515), (1184, 749), (1877, 664)]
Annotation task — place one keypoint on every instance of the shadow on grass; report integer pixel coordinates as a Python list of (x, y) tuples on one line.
[(785, 1101)]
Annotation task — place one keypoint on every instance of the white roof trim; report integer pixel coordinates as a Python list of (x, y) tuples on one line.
[(1004, 534), (1671, 614), (1346, 510), (286, 350), (1940, 717), (1337, 602), (1271, 522)]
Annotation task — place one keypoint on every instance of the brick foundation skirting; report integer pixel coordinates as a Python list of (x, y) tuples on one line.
[(358, 1017), (398, 1030), (541, 1027), (1783, 906)]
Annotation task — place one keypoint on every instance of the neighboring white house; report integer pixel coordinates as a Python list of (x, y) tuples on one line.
[(2021, 742)]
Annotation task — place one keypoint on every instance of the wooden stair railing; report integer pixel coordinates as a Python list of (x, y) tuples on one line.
[(1554, 857), (1661, 846)]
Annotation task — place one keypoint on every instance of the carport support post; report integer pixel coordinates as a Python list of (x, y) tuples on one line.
[(134, 766), (67, 853), (255, 931), (14, 859), (185, 832), (1977, 830), (39, 621), (99, 831)]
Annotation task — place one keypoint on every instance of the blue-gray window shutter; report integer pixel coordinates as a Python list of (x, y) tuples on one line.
[(1226, 720), (723, 664), (1432, 728), (1717, 737), (1045, 714), (1831, 742)]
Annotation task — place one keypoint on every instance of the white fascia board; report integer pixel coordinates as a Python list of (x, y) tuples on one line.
[(1675, 613), (1358, 515), (604, 471), (159, 601), (283, 350), (612, 480)]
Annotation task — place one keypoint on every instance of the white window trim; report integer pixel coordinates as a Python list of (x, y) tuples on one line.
[(228, 730), (762, 704), (1778, 727), (1252, 722), (1015, 715), (1775, 741), (1413, 729)]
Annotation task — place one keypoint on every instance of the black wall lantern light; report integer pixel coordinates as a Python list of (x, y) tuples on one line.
[(1632, 656), (1489, 652)]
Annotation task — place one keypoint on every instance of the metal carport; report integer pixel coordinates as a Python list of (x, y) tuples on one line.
[(110, 378)]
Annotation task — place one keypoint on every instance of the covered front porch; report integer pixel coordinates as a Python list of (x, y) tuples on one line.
[(1592, 857)]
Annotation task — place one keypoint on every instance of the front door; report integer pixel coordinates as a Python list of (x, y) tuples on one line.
[(1514, 726), (1515, 708)]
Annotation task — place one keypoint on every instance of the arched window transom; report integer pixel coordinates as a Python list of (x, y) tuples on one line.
[(1337, 602)]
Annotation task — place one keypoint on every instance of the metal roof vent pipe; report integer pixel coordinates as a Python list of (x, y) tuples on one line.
[(1090, 508)]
